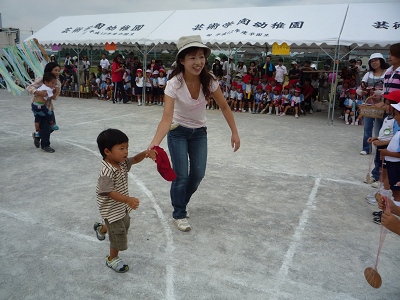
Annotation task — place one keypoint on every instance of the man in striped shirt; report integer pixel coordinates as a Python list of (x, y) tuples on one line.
[(112, 193)]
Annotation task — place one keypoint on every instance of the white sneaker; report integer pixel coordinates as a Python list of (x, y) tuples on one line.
[(371, 199), (182, 224), (311, 111), (370, 181), (347, 123), (363, 152), (356, 123), (283, 114), (352, 123), (375, 184), (296, 116)]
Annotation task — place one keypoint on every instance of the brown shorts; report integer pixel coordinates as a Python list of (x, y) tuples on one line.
[(117, 233)]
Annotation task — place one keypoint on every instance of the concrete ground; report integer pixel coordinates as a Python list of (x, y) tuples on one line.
[(283, 218)]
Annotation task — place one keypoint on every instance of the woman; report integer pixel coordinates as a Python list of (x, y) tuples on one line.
[(217, 68), (44, 140), (117, 74), (241, 68), (185, 100), (371, 88)]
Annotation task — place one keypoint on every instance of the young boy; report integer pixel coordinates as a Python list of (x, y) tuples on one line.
[(112, 193), (39, 107)]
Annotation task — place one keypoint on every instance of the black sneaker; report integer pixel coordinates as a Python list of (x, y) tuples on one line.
[(48, 149), (377, 220), (377, 213), (36, 140)]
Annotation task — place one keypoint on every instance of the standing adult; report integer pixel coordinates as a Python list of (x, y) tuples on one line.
[(281, 72), (117, 74), (104, 63), (217, 68), (294, 74), (241, 68), (371, 88), (86, 69), (268, 68), (185, 100), (44, 127)]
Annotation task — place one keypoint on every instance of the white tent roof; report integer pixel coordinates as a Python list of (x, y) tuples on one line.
[(371, 24), (295, 25)]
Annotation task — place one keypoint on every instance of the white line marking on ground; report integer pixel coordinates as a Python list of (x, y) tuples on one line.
[(288, 258), (168, 234)]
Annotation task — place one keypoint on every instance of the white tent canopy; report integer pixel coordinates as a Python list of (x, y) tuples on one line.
[(318, 25)]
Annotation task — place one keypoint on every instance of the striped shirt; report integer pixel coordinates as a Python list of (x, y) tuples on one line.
[(392, 80), (113, 180)]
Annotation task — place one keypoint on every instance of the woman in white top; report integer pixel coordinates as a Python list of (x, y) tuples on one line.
[(372, 83), (184, 119)]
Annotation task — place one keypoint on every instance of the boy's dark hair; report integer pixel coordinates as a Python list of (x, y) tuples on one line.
[(109, 138), (47, 77)]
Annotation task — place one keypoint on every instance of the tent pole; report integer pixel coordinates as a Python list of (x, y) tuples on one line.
[(144, 75)]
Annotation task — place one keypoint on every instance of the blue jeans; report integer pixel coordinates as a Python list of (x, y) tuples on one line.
[(188, 150), (45, 131), (368, 125)]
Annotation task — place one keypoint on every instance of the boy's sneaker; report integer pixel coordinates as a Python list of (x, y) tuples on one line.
[(371, 198), (311, 111), (347, 123), (356, 123), (36, 139), (363, 152), (370, 180), (97, 227), (296, 116), (182, 224), (375, 184), (54, 127), (283, 114), (116, 264)]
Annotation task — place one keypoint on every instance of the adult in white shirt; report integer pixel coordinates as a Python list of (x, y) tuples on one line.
[(229, 67), (104, 63), (281, 72), (184, 120)]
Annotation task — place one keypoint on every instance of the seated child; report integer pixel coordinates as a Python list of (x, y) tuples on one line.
[(267, 102), (285, 100), (39, 107), (295, 102), (276, 99), (239, 97), (258, 99)]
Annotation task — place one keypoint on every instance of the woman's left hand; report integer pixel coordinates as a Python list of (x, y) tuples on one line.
[(235, 142)]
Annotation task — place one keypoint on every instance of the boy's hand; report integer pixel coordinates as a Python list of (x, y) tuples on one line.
[(151, 154), (391, 222), (133, 202), (378, 143), (383, 153)]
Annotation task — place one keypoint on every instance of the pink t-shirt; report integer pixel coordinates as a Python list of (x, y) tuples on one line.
[(188, 112)]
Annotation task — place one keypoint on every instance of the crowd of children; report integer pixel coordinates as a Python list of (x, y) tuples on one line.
[(249, 94)]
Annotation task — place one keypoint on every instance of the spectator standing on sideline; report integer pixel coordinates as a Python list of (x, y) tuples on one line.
[(117, 73), (281, 72), (104, 63)]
